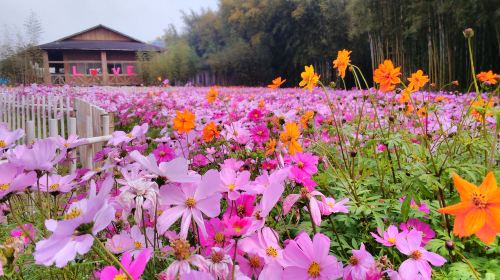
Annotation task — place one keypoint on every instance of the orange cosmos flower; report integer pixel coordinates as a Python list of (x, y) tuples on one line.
[(422, 112), (387, 76), (212, 95), (342, 61), (304, 119), (479, 209), (405, 96), (483, 112), (270, 147), (309, 78), (276, 83), (210, 131), (440, 98), (261, 104), (289, 137), (417, 80), (488, 78), (184, 121)]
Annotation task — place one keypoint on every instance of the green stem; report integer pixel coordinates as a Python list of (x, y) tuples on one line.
[(469, 264), (472, 65), (234, 258), (113, 258), (312, 220)]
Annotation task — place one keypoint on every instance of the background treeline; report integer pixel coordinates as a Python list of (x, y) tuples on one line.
[(249, 42)]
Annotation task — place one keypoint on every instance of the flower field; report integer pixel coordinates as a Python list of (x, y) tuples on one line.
[(392, 182)]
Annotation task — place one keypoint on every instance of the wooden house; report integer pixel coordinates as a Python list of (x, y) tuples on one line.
[(95, 56)]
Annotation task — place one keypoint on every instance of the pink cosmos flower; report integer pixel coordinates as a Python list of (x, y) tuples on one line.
[(8, 138), (164, 153), (175, 170), (200, 160), (424, 229), (328, 206), (196, 275), (310, 259), (232, 182), (27, 233), (236, 131), (361, 266), (271, 187), (232, 163), (138, 239), (12, 179), (260, 133), (418, 263), (138, 194), (42, 156), (70, 143), (304, 165), (243, 206), (255, 115), (264, 243), (67, 239), (190, 201), (57, 183), (120, 137), (120, 243), (252, 265), (219, 263), (390, 236), (291, 199), (215, 234), (135, 268), (236, 226)]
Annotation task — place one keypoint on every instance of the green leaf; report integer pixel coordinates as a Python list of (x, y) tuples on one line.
[(405, 207)]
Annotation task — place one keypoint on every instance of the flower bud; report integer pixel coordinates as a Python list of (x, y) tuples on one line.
[(468, 33), (449, 244)]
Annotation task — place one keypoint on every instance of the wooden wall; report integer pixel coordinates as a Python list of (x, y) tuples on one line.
[(100, 34)]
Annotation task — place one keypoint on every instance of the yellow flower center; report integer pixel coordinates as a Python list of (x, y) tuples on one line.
[(3, 144), (353, 260), (391, 240), (272, 252), (137, 245), (254, 262), (231, 187), (300, 164), (66, 145), (73, 213), (219, 237), (216, 257), (4, 187), (162, 153), (237, 228), (129, 135), (479, 200), (314, 270), (416, 255), (120, 276), (240, 210), (181, 249), (190, 202), (54, 187)]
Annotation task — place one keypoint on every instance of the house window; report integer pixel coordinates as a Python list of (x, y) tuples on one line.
[(115, 68)]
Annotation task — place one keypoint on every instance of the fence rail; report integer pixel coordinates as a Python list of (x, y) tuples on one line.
[(48, 116)]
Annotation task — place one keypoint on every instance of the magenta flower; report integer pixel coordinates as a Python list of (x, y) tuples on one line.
[(200, 160), (215, 234), (189, 201), (260, 133), (423, 228), (57, 183), (236, 226), (304, 163), (361, 266), (232, 182), (27, 232), (388, 237), (310, 259), (73, 234), (328, 206), (418, 263), (422, 207), (271, 187), (135, 268), (255, 115), (164, 153), (12, 179), (243, 206), (175, 170)]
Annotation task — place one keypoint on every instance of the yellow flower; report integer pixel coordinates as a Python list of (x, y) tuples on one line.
[(276, 83), (309, 78), (290, 136), (212, 95), (342, 61), (417, 80), (184, 122)]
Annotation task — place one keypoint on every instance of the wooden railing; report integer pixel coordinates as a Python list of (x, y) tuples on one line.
[(48, 116)]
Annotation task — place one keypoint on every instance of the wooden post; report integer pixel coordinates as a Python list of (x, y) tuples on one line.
[(66, 69), (52, 128), (104, 67), (90, 148), (72, 131), (46, 71), (30, 132)]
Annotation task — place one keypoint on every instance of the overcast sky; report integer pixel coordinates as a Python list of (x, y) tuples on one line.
[(141, 19)]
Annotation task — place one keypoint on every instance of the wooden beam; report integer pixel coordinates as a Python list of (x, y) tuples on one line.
[(104, 67), (46, 72)]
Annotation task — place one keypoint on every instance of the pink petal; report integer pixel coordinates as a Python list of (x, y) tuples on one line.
[(434, 258), (168, 218)]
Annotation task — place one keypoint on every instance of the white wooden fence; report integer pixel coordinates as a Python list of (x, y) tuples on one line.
[(49, 116)]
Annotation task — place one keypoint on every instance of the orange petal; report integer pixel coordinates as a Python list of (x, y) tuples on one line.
[(464, 188), (493, 219), (487, 235), (456, 209), (489, 184), (474, 221), (458, 228), (494, 197)]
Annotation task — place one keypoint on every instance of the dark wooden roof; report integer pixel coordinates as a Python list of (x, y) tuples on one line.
[(110, 40)]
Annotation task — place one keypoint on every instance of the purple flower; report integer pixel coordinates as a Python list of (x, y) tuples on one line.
[(423, 228)]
